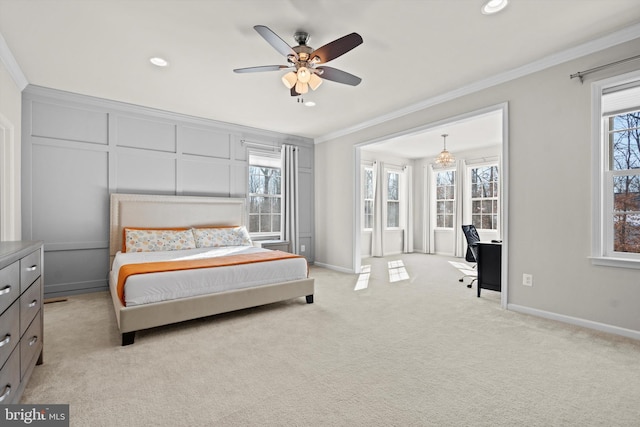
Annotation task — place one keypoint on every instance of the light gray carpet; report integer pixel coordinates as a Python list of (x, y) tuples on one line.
[(420, 352)]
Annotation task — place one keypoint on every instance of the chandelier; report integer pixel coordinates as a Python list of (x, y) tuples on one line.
[(445, 158)]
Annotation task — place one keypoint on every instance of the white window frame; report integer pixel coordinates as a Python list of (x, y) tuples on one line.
[(602, 199), (469, 191), (436, 171), (363, 198), (265, 159), (399, 201)]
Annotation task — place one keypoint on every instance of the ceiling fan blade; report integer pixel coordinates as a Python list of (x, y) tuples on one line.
[(260, 69), (337, 47), (274, 40), (293, 92), (333, 74)]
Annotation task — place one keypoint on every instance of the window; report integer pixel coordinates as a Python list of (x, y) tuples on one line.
[(265, 195), (624, 177), (367, 196), (445, 198), (617, 177), (393, 200), (484, 197)]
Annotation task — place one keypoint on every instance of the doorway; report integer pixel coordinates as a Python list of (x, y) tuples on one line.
[(475, 138)]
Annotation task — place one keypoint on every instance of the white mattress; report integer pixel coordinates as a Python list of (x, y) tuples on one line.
[(163, 286)]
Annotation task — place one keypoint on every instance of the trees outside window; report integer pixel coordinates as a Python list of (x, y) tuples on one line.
[(393, 200), (624, 176), (484, 197), (445, 198), (367, 196), (264, 199)]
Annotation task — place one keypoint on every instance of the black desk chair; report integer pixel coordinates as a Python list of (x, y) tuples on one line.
[(471, 234)]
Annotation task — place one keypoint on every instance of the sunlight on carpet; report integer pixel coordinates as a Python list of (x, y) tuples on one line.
[(397, 271)]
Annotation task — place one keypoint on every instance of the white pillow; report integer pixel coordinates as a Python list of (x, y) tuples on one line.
[(221, 236)]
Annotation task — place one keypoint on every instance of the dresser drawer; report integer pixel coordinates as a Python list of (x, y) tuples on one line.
[(30, 303), (9, 285), (30, 344), (9, 331), (10, 378), (29, 269)]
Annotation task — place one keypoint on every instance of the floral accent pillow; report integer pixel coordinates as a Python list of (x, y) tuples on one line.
[(222, 236), (153, 240)]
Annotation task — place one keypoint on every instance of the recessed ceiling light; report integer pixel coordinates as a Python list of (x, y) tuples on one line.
[(310, 104), (159, 62), (494, 6)]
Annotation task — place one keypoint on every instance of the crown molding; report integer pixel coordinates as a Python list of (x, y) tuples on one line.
[(13, 68), (621, 36)]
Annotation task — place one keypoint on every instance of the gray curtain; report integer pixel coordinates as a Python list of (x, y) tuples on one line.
[(289, 222)]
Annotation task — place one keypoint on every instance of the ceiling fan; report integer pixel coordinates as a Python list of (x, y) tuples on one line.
[(305, 63)]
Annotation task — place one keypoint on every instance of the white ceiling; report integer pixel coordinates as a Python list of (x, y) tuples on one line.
[(477, 131), (413, 51)]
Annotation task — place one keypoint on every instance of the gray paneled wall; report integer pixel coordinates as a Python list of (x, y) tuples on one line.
[(76, 150)]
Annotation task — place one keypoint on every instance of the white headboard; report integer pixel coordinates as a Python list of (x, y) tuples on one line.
[(147, 210)]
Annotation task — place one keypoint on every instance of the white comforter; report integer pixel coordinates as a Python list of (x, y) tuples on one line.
[(155, 287)]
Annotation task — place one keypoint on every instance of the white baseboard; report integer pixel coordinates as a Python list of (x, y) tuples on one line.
[(603, 327), (333, 267)]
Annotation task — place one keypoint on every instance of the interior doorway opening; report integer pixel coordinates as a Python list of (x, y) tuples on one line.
[(481, 146)]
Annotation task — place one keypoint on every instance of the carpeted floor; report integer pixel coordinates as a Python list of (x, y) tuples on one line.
[(423, 351)]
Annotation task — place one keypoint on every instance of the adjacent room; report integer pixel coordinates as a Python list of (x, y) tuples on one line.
[(339, 213)]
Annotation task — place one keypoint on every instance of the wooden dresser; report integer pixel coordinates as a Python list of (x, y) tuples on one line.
[(21, 328)]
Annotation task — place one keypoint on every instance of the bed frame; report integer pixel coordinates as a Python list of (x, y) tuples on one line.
[(138, 210)]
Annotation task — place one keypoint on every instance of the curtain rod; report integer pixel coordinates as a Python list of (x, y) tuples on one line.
[(581, 74)]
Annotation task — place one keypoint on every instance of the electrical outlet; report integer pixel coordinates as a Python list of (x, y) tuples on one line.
[(527, 279), (302, 248)]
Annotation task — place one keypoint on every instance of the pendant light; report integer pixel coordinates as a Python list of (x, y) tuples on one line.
[(445, 158)]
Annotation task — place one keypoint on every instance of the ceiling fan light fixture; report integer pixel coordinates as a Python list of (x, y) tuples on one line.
[(290, 79), (314, 81), (304, 75), (303, 60), (302, 87)]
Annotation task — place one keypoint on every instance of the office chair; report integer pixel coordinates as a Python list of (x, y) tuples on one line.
[(471, 234)]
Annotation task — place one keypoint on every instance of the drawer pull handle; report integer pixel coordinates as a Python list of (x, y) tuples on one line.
[(6, 340), (33, 303), (32, 268), (5, 290), (6, 393), (33, 340)]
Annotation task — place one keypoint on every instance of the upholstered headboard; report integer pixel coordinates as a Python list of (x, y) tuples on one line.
[(147, 210)]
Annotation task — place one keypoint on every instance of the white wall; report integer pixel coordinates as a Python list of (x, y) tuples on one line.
[(10, 118), (549, 193)]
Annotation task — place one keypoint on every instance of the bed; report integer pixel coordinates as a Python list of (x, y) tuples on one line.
[(136, 211)]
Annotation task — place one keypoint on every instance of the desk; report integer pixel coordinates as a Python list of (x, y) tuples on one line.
[(489, 266)]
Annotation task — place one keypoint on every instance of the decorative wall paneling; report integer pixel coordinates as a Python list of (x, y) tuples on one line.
[(76, 150)]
